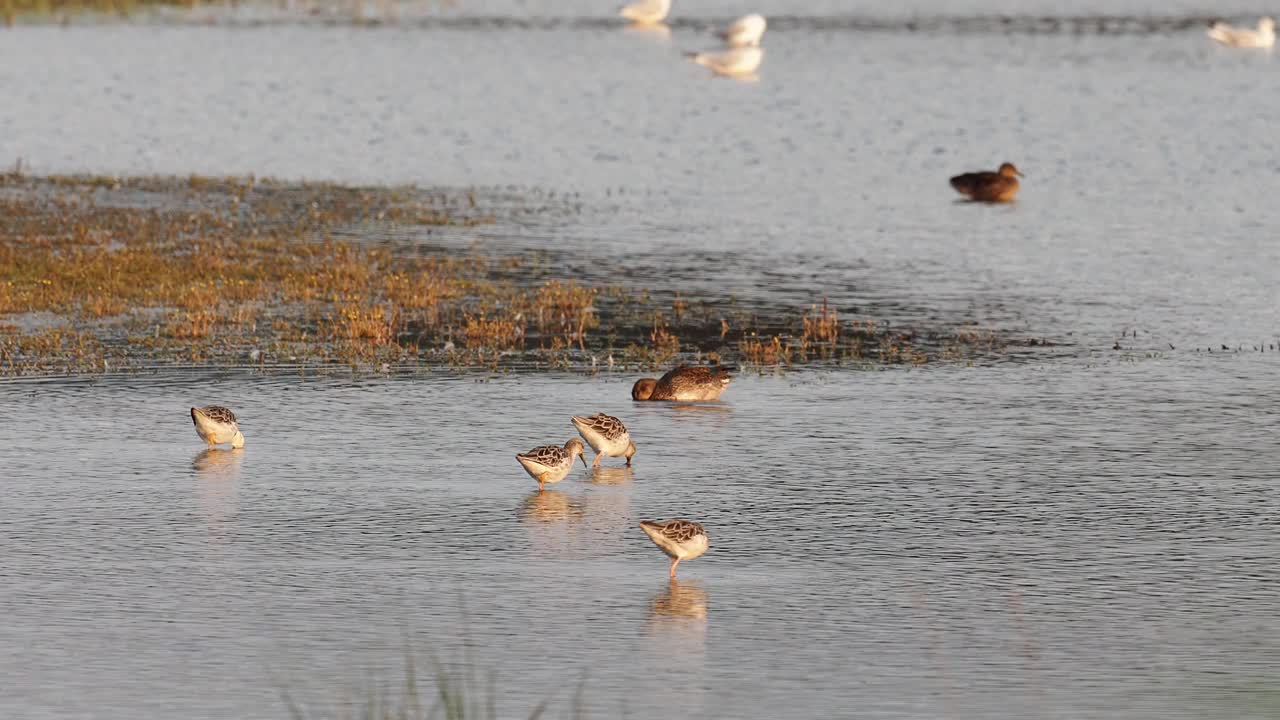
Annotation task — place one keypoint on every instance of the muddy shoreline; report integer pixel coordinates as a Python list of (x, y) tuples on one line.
[(105, 274)]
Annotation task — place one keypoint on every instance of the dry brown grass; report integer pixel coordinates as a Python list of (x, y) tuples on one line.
[(212, 274), (52, 350), (896, 348), (10, 9), (566, 310), (192, 325), (821, 325), (357, 322), (233, 268), (771, 351), (679, 307), (496, 334), (662, 342), (817, 334)]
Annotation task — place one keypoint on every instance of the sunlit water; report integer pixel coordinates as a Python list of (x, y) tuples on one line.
[(1032, 541), (1149, 158), (1090, 534)]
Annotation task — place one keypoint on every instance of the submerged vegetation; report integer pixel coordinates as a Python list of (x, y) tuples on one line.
[(99, 274), (449, 692)]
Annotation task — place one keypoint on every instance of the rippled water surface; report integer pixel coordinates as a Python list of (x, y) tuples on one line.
[(1082, 534), (1016, 542), (1150, 157)]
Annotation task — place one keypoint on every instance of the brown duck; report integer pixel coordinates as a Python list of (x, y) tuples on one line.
[(998, 186), (684, 384)]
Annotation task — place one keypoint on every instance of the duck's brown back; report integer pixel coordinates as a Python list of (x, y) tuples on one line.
[(986, 186), (691, 384)]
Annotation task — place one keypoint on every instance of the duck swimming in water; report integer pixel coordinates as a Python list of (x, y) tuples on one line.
[(684, 384), (998, 186)]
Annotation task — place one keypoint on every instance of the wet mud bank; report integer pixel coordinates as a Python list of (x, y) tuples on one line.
[(102, 274)]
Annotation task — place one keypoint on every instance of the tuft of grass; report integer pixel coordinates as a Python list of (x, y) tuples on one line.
[(448, 693), (765, 352), (52, 350), (566, 310), (497, 334), (192, 325), (821, 326), (664, 344)]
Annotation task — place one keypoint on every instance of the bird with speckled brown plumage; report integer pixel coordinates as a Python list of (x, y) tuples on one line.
[(216, 424), (607, 435), (684, 384), (678, 539), (551, 463)]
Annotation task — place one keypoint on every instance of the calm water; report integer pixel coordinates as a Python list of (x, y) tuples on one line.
[(1088, 534), (1151, 159), (1014, 542)]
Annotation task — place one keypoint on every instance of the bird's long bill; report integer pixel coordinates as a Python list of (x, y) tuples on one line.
[(1018, 173), (583, 458)]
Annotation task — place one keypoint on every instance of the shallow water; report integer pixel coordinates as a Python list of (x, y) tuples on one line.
[(1085, 534), (1149, 158), (1030, 541)]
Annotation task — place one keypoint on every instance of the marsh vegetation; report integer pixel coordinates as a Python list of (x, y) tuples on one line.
[(100, 273)]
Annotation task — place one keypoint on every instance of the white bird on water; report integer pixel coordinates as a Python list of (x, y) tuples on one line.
[(1263, 37), (738, 62), (745, 31), (646, 12)]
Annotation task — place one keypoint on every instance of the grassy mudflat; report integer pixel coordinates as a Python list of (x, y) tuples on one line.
[(101, 274), (10, 9)]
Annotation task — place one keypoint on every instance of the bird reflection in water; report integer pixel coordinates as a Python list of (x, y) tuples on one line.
[(607, 505), (706, 416), (677, 629), (218, 473), (659, 31), (683, 599), (611, 475), (707, 409), (549, 506), (551, 520), (218, 462)]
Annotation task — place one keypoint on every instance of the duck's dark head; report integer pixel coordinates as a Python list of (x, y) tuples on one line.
[(643, 389)]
